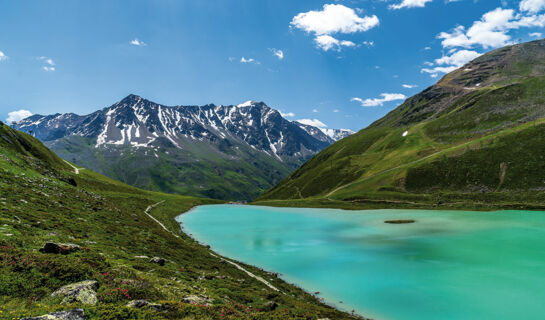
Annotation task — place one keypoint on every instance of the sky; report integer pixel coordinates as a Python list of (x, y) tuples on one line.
[(335, 64)]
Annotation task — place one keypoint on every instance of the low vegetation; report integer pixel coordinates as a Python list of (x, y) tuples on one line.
[(42, 200)]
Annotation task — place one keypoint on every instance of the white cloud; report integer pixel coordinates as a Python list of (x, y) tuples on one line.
[(138, 43), (491, 30), (410, 4), (532, 5), (409, 86), (427, 48), (315, 110), (336, 110), (287, 114), (50, 64), (333, 19), (278, 53), (386, 97), (249, 60), (536, 34), (3, 56), (369, 43), (458, 58), (18, 115), (312, 122), (326, 42), (434, 71)]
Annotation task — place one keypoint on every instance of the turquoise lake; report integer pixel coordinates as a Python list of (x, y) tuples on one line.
[(446, 265)]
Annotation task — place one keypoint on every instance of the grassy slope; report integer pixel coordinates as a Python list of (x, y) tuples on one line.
[(475, 141), (39, 202), (244, 176)]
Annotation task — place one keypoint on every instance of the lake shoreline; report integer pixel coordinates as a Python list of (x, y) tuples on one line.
[(321, 300)]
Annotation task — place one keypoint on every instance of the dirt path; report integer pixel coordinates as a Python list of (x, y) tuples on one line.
[(258, 278), (158, 222), (76, 170)]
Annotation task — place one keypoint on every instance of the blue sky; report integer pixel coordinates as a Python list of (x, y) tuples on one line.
[(343, 63)]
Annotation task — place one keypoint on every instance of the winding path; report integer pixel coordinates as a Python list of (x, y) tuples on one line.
[(76, 170), (258, 278)]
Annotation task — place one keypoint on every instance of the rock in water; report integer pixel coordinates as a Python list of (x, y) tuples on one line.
[(83, 292), (400, 221), (62, 248), (76, 314)]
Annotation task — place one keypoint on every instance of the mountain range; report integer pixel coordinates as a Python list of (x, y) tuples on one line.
[(475, 139), (228, 152)]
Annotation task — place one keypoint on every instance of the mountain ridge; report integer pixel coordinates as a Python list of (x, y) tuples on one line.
[(230, 152)]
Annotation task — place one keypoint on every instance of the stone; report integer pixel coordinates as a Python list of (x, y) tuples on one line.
[(157, 260), (76, 314), (201, 300), (144, 303), (62, 248), (400, 221), (82, 292), (269, 306)]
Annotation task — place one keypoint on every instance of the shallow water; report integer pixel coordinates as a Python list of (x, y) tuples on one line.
[(447, 265)]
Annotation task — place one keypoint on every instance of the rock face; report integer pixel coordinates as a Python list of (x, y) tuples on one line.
[(76, 314), (62, 248), (231, 152), (158, 260), (82, 292)]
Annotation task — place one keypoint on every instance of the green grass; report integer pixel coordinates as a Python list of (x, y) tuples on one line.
[(43, 200)]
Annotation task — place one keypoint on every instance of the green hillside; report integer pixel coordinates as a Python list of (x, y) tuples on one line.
[(44, 199), (476, 139)]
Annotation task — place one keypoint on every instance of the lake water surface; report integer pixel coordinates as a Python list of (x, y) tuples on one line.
[(447, 265)]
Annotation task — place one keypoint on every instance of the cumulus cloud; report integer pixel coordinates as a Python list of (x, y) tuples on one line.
[(287, 114), (532, 5), (139, 43), (535, 34), (410, 4), (336, 110), (369, 43), (312, 122), (409, 86), (385, 97), (278, 53), (449, 63), (315, 110), (333, 19), (3, 56), (491, 31), (18, 115)]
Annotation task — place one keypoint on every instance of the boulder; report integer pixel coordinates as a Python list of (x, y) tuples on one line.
[(269, 306), (144, 303), (82, 292), (76, 314), (201, 300), (62, 248), (158, 260)]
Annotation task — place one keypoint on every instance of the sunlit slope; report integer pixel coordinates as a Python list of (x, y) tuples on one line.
[(474, 139), (118, 229)]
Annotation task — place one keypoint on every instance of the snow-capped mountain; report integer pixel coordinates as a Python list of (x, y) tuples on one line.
[(325, 134), (249, 146)]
